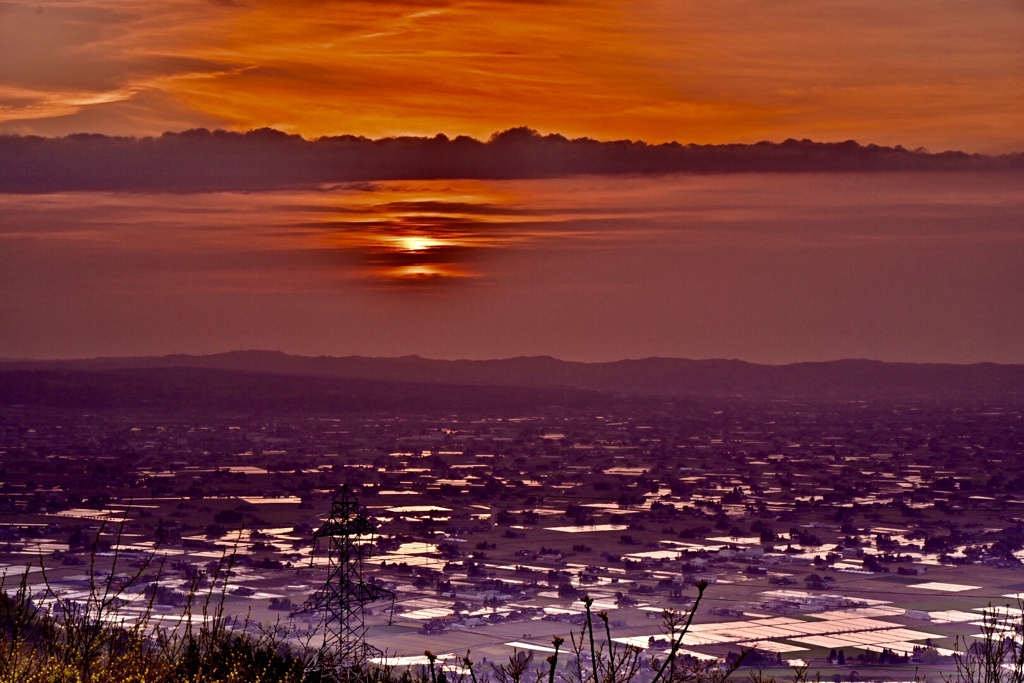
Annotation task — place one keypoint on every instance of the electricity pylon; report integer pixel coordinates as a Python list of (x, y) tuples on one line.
[(343, 597)]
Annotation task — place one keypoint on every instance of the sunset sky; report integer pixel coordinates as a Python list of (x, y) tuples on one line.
[(768, 267), (942, 74)]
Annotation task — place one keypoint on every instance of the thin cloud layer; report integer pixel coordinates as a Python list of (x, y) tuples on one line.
[(203, 161), (767, 267)]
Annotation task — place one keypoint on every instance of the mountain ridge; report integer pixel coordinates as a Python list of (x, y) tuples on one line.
[(846, 378)]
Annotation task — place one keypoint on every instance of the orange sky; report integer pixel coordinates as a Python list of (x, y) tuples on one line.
[(765, 267), (940, 74)]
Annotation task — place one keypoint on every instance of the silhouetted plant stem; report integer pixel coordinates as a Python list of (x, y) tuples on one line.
[(468, 663), (678, 642), (611, 650), (553, 659), (431, 658), (587, 602)]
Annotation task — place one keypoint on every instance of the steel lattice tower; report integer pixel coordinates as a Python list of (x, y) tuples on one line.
[(344, 595)]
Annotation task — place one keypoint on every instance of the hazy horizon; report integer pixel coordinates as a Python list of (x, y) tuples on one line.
[(606, 361)]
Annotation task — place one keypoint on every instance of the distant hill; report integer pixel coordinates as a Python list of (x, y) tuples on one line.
[(839, 380), (183, 390)]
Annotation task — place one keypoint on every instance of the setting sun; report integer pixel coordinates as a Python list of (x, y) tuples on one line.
[(594, 179), (511, 269), (417, 242)]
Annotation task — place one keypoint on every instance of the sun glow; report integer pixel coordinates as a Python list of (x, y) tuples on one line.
[(421, 272), (417, 242)]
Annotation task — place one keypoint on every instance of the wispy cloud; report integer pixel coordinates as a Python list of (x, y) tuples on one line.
[(941, 74), (771, 267), (444, 231)]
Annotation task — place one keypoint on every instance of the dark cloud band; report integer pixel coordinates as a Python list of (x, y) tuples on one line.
[(201, 160)]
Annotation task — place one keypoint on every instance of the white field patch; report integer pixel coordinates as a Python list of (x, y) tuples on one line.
[(772, 646), (644, 642), (952, 616), (450, 661), (944, 587), (588, 528), (855, 612), (841, 628), (429, 613), (831, 642), (519, 645), (1003, 611), (1004, 634)]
